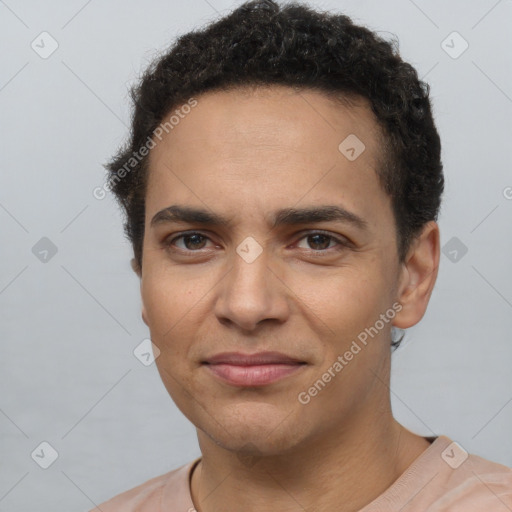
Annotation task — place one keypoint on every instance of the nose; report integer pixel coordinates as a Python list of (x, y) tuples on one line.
[(250, 293)]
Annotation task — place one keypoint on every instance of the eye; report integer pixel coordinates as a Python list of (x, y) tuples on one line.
[(192, 241), (319, 241)]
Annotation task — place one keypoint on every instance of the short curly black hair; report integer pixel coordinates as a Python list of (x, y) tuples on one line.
[(262, 43)]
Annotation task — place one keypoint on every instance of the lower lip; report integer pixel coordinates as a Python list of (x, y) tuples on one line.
[(255, 375)]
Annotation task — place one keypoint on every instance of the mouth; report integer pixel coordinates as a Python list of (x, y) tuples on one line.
[(249, 370)]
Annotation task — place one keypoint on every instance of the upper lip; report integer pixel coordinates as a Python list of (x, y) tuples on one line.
[(240, 359)]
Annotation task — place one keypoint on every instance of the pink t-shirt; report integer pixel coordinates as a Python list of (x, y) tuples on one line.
[(444, 478)]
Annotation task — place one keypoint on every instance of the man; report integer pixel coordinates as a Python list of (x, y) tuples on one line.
[(281, 189)]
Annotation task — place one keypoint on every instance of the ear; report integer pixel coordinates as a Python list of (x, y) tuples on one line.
[(136, 268), (418, 275)]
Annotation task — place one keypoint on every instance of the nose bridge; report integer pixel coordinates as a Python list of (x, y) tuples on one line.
[(250, 292), (251, 263)]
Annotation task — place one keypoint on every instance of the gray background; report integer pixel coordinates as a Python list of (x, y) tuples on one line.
[(69, 324)]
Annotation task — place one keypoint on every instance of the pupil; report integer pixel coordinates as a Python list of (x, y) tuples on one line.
[(194, 239), (325, 237)]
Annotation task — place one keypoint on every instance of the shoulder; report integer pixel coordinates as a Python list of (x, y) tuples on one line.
[(477, 484), (447, 478), (148, 495)]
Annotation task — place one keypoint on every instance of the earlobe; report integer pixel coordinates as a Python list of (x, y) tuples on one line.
[(418, 277), (137, 270), (143, 310), (144, 317), (135, 267)]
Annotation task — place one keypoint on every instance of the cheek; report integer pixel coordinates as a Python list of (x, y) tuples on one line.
[(168, 306), (168, 299), (166, 311), (344, 301)]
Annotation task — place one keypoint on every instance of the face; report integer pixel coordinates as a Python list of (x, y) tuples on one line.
[(255, 273)]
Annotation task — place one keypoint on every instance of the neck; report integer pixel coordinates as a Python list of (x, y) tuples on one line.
[(343, 471)]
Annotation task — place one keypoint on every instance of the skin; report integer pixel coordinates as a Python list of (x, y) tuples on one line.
[(244, 154)]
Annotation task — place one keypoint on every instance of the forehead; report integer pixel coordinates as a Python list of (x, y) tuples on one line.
[(272, 115), (260, 148)]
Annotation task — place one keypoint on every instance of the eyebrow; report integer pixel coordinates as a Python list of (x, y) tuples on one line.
[(285, 216)]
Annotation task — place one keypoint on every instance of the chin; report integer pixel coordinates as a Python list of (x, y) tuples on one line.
[(254, 431), (256, 445)]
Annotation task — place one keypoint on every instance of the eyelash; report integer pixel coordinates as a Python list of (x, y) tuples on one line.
[(342, 244)]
